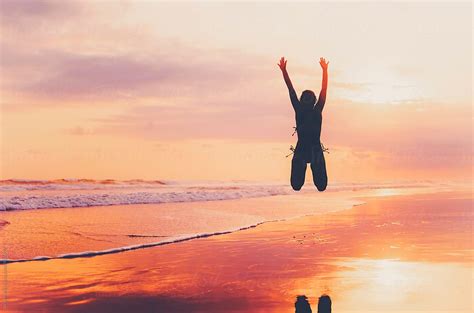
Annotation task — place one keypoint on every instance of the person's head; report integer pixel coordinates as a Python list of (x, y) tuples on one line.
[(324, 304), (308, 99)]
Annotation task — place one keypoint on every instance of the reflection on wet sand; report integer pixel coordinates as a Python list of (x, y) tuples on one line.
[(397, 254), (303, 306)]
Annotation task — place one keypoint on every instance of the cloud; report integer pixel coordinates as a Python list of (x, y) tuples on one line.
[(411, 135), (435, 137), (30, 8), (140, 84), (53, 54), (238, 117), (60, 75), (72, 76), (349, 86), (19, 15), (79, 131)]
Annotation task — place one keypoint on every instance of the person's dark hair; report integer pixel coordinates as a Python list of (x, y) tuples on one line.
[(308, 97), (324, 304)]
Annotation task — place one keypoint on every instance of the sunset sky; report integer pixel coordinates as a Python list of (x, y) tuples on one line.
[(191, 90)]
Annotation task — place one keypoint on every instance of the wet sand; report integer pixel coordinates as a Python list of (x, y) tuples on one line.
[(57, 231), (410, 253)]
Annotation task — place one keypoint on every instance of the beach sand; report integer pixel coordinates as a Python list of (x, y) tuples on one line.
[(406, 253)]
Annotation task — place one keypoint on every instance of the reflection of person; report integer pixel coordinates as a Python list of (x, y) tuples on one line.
[(308, 127), (324, 304), (302, 305)]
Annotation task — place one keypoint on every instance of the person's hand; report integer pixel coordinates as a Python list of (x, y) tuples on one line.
[(282, 64), (323, 63)]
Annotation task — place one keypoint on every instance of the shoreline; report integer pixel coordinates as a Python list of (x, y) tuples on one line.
[(68, 233), (89, 254), (350, 202), (374, 246)]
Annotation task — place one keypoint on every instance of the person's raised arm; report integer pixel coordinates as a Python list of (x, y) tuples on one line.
[(324, 88), (293, 97)]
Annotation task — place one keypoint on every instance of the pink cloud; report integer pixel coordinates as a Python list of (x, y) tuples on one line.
[(79, 131), (19, 15), (197, 93), (59, 75)]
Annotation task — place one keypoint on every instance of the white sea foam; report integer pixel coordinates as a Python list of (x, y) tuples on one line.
[(18, 194), (70, 195), (85, 254)]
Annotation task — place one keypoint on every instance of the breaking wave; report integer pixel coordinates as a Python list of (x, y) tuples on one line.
[(23, 195)]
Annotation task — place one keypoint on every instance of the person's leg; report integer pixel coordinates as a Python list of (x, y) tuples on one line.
[(318, 167), (298, 172)]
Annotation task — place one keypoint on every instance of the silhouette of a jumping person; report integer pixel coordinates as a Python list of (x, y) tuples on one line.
[(308, 114)]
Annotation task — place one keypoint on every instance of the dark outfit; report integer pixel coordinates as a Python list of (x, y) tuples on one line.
[(308, 148)]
